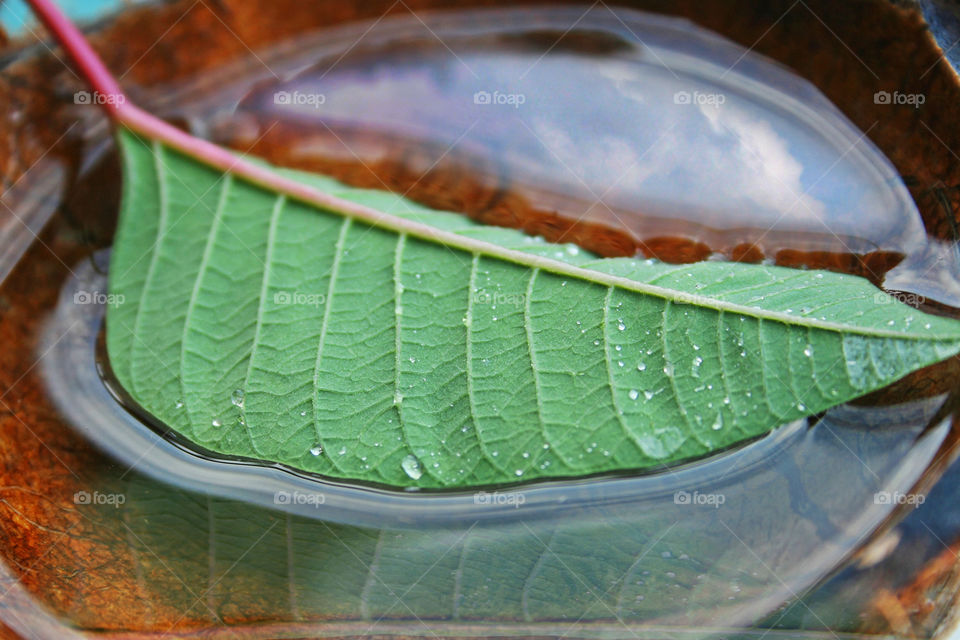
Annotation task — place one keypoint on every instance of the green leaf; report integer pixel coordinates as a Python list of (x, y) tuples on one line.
[(427, 350)]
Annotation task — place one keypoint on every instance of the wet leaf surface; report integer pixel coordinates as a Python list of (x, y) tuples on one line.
[(262, 327)]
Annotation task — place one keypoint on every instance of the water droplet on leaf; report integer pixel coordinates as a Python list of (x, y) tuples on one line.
[(718, 423), (411, 467)]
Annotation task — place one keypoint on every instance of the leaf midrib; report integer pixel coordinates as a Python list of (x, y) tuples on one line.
[(404, 226), (265, 177)]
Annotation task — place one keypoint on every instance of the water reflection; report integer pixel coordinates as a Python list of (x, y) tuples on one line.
[(721, 542), (634, 136)]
